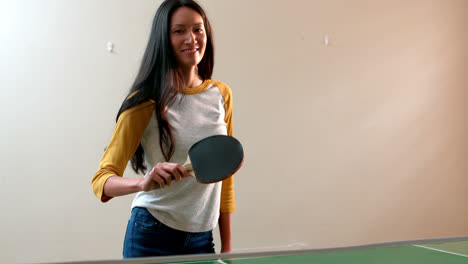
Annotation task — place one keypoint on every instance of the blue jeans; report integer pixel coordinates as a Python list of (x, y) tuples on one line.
[(147, 237)]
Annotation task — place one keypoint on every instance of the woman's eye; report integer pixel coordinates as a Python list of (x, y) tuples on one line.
[(178, 31)]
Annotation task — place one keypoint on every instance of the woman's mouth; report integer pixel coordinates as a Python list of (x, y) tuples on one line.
[(189, 51)]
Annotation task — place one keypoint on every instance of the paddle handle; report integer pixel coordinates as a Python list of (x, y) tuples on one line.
[(189, 168)]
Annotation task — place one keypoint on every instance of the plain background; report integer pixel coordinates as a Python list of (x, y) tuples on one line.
[(363, 140)]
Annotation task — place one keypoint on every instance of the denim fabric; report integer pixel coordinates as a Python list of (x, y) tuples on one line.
[(146, 237)]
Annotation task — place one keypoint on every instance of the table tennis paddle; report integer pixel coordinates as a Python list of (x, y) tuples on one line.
[(214, 158)]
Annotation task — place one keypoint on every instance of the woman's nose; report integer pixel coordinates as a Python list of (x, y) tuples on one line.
[(190, 39)]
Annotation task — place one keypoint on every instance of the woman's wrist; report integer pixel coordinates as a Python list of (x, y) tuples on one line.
[(226, 248)]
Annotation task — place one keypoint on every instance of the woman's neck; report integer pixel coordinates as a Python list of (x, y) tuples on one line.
[(190, 77)]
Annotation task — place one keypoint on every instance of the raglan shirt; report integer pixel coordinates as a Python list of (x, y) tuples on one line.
[(197, 113)]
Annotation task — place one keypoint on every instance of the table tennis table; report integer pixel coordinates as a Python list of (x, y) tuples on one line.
[(452, 250)]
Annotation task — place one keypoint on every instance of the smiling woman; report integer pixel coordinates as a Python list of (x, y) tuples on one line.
[(362, 141), (188, 38), (174, 102)]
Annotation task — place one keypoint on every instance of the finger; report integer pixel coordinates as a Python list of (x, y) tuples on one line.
[(174, 170), (179, 172), (160, 176), (166, 177), (169, 172), (154, 185), (150, 183)]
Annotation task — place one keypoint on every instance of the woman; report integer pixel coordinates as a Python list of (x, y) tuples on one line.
[(172, 104)]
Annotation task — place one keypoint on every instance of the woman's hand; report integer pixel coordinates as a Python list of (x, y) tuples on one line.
[(162, 175)]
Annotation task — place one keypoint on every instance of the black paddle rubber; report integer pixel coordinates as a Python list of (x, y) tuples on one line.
[(215, 158)]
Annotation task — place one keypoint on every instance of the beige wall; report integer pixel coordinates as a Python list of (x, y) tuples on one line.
[(360, 141)]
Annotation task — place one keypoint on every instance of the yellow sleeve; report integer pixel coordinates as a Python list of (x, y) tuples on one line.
[(228, 204), (123, 144)]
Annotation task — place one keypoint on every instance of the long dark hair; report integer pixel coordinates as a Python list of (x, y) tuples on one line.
[(158, 78)]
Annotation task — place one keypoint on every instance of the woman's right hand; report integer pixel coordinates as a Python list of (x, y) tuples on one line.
[(162, 175)]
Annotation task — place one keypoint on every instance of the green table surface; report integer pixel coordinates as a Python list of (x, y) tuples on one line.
[(453, 250), (435, 253)]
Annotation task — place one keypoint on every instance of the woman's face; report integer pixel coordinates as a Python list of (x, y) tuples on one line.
[(188, 37)]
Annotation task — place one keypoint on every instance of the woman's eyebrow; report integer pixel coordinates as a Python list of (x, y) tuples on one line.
[(182, 25)]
